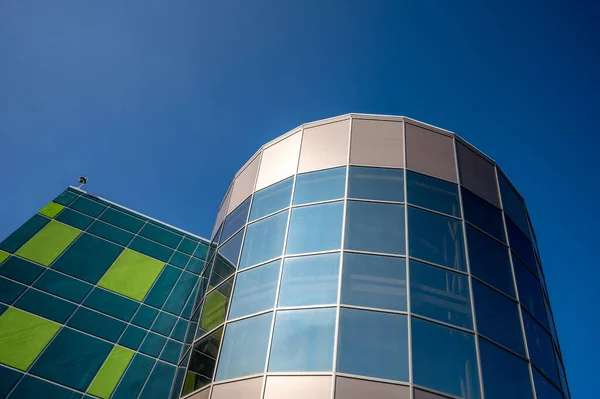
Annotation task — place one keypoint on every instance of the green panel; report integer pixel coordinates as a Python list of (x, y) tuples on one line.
[(3, 256), (109, 375), (48, 243), (132, 274), (214, 310), (23, 233), (51, 210), (23, 336)]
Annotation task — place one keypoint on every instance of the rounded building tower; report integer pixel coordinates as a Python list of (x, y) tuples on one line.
[(372, 257)]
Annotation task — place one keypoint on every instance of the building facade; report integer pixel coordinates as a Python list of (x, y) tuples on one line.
[(95, 302), (369, 256)]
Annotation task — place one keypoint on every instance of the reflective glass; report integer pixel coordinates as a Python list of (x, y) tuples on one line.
[(373, 344), (543, 388), (181, 293), (97, 324), (111, 233), (23, 233), (440, 294), (152, 249), (63, 286), (215, 306), (230, 251), (163, 286), (221, 270), (31, 388), (202, 251), (435, 238), (132, 337), (74, 219), (489, 261), (530, 292), (162, 236), (180, 260), (431, 193), (21, 270), (310, 280), (164, 323), (320, 186), (374, 281), (539, 344), (153, 344), (187, 246), (444, 359), (202, 362), (159, 383), (45, 305), (271, 199), (255, 290), (513, 205), (65, 198), (244, 347), (88, 207), (145, 316), (10, 291), (315, 228), (303, 340), (171, 352), (235, 220), (521, 245), (483, 214), (504, 374), (133, 381), (376, 183), (375, 227), (264, 240), (498, 317), (111, 304), (122, 220)]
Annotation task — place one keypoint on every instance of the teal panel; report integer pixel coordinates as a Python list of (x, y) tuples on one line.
[(10, 291), (33, 388), (88, 207), (8, 379), (132, 337), (180, 293), (75, 219), (63, 286), (20, 270), (122, 220), (45, 305), (111, 304), (171, 352), (153, 344), (97, 324), (164, 323), (150, 248), (145, 316), (187, 246), (162, 287), (180, 260), (202, 251), (136, 375), (111, 233), (162, 236), (159, 383), (23, 233), (65, 198)]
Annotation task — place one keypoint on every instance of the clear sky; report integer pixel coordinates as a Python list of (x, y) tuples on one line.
[(160, 102)]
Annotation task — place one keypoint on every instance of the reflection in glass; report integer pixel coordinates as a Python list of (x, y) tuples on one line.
[(373, 344), (483, 214), (375, 227), (539, 344), (444, 359), (530, 291), (310, 280), (521, 245), (230, 251), (271, 199), (440, 294), (221, 270), (431, 193), (303, 340), (320, 186), (315, 228), (512, 205), (264, 240), (504, 374), (255, 290), (376, 183), (374, 281), (543, 388), (435, 238), (202, 362), (215, 306), (235, 220)]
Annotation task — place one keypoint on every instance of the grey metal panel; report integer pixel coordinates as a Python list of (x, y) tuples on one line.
[(427, 395), (201, 395), (245, 389), (279, 161), (324, 146), (298, 387), (430, 153), (477, 174), (222, 211), (377, 143), (351, 388), (243, 184)]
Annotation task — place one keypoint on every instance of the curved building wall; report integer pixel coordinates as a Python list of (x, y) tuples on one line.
[(372, 256)]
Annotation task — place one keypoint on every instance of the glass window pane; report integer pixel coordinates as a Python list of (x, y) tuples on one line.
[(230, 251), (151, 249), (264, 240), (376, 183), (315, 228), (122, 220), (244, 347), (436, 239), (271, 199), (162, 236), (235, 220), (63, 286), (221, 270), (255, 290), (539, 344), (498, 317), (512, 204), (202, 362), (440, 294), (489, 261), (75, 219), (374, 281), (88, 207), (373, 344), (23, 233), (530, 291), (543, 388), (483, 215), (320, 186), (521, 245), (444, 359), (375, 227), (504, 374), (215, 307), (432, 193), (303, 340), (310, 280), (110, 233)]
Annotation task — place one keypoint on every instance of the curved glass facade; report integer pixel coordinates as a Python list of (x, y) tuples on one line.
[(380, 256)]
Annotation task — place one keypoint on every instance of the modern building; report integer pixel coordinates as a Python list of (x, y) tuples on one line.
[(355, 257)]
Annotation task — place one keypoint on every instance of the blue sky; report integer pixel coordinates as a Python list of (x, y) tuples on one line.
[(147, 98)]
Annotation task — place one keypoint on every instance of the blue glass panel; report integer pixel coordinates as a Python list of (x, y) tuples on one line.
[(178, 332), (373, 344), (63, 286), (264, 240), (34, 388), (133, 381), (8, 379), (521, 245), (162, 236), (153, 344), (539, 344), (483, 214), (181, 292), (46, 306), (122, 220), (244, 348), (431, 193), (97, 324), (164, 323), (88, 207), (235, 220), (375, 227), (374, 281), (178, 259), (315, 228), (10, 291), (498, 318), (221, 270), (435, 238), (20, 270), (255, 290), (79, 356), (440, 294), (376, 183), (145, 316), (65, 198), (320, 186), (75, 219), (530, 292), (489, 261), (513, 205), (159, 383), (112, 304), (444, 359), (162, 287), (110, 233), (504, 374), (230, 251), (271, 199), (23, 233), (310, 280), (132, 337), (187, 246), (201, 251), (152, 249), (543, 388), (171, 351), (303, 340)]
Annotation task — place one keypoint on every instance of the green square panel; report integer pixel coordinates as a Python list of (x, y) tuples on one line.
[(3, 256), (48, 243), (109, 375), (23, 233), (22, 337), (51, 210), (132, 274)]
